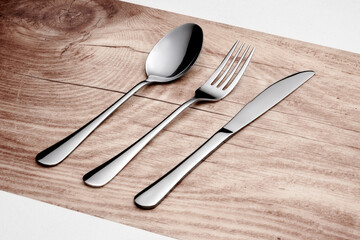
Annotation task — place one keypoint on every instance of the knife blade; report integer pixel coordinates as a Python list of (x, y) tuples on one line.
[(267, 99), (151, 196)]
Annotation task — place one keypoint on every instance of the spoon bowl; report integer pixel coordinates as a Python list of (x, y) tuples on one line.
[(174, 54), (170, 59)]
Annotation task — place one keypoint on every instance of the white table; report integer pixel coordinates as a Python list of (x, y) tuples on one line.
[(330, 23)]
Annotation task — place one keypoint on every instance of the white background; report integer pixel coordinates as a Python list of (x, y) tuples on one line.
[(332, 23)]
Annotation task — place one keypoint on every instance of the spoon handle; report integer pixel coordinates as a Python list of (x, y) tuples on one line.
[(59, 151), (151, 196), (102, 174)]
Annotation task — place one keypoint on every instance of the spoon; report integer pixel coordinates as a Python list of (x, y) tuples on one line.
[(170, 59)]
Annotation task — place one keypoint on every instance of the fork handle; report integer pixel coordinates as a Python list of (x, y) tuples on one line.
[(56, 153), (102, 174), (151, 196)]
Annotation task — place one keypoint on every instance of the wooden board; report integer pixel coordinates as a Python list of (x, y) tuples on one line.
[(292, 174)]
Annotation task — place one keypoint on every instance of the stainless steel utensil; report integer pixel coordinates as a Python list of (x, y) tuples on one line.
[(151, 196), (213, 89), (170, 59)]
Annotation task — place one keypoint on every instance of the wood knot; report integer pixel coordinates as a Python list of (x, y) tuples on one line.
[(69, 18), (54, 18)]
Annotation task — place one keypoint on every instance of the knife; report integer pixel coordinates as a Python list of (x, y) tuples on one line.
[(151, 196)]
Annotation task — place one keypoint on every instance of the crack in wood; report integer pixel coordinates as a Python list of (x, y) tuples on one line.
[(117, 91), (84, 37), (114, 46)]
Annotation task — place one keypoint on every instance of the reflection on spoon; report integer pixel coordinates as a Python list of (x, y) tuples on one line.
[(170, 59)]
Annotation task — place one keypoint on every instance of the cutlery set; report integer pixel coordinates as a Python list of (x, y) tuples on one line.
[(170, 59), (212, 90)]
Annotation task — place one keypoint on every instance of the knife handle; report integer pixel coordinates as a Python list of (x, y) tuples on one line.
[(151, 196)]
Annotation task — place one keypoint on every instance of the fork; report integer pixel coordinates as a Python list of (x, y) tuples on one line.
[(214, 89)]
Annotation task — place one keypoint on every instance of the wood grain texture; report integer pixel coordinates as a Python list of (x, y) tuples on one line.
[(292, 174)]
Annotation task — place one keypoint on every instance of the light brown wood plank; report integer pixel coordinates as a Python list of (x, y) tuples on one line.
[(292, 174)]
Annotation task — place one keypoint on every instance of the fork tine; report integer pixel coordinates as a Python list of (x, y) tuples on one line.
[(222, 64), (217, 82), (241, 72), (223, 85)]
